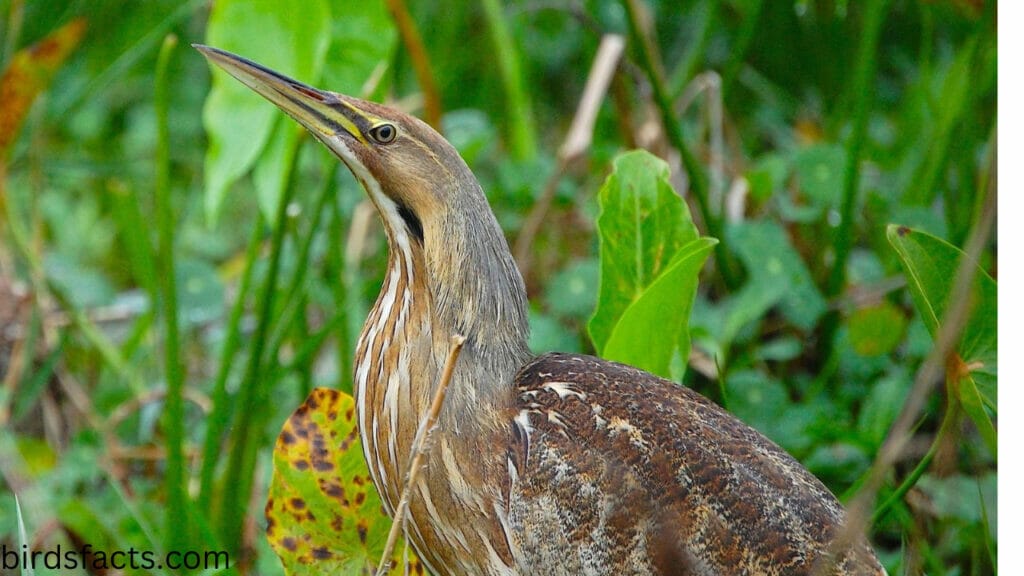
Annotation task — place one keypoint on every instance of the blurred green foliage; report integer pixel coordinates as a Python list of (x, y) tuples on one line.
[(271, 295)]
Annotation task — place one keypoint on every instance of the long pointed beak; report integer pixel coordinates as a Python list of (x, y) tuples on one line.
[(323, 113)]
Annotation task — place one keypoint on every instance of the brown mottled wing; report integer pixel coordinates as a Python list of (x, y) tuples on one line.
[(641, 476)]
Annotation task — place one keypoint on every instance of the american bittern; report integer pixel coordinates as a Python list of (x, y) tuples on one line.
[(558, 464)]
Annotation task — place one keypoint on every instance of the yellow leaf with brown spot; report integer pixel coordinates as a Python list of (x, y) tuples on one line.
[(324, 515), (29, 74)]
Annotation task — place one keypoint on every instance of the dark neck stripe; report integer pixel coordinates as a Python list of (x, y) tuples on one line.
[(412, 222)]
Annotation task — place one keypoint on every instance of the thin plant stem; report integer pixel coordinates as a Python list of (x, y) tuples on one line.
[(251, 401), (292, 303), (420, 446), (673, 129), (951, 418), (340, 292), (575, 145), (860, 90), (518, 110), (217, 421), (744, 37), (175, 481)]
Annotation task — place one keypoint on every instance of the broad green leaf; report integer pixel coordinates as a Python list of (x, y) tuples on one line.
[(777, 275), (238, 121), (767, 176), (930, 265), (876, 330), (820, 169), (643, 223), (882, 405), (29, 74), (547, 334), (573, 291), (763, 403), (323, 514), (656, 324), (363, 38)]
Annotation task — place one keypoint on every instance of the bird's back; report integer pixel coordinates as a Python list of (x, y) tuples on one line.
[(616, 471)]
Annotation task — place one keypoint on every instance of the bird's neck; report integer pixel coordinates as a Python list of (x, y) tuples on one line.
[(459, 278)]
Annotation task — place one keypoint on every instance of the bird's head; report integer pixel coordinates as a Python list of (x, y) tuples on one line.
[(425, 193), (410, 172)]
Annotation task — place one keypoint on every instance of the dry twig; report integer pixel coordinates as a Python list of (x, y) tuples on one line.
[(576, 143)]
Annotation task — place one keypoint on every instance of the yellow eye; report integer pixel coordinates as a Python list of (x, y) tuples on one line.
[(384, 133)]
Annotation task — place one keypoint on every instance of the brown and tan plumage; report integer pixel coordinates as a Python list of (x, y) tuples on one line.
[(560, 464)]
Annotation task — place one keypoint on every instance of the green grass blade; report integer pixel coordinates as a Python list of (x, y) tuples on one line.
[(178, 526), (220, 415), (861, 93), (522, 137), (251, 401), (22, 537)]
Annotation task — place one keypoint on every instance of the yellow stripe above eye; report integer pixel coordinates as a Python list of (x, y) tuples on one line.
[(351, 127)]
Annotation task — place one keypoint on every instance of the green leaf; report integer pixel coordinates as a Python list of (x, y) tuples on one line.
[(323, 514), (820, 171), (777, 275), (651, 256), (876, 330), (763, 403), (642, 225), (363, 38), (882, 406), (767, 176), (665, 304), (238, 121), (930, 265), (572, 292)]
